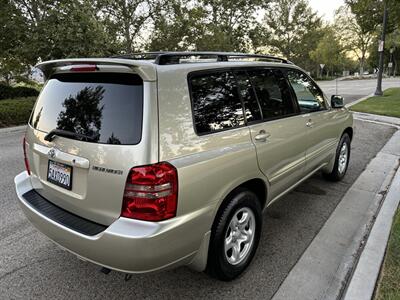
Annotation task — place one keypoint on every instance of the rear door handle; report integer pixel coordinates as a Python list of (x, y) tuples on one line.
[(309, 123), (262, 136)]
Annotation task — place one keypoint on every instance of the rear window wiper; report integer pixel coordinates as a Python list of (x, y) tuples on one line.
[(68, 134)]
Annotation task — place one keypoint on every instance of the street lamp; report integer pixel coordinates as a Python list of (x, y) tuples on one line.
[(381, 48)]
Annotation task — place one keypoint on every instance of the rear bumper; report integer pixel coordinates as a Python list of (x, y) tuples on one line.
[(127, 245)]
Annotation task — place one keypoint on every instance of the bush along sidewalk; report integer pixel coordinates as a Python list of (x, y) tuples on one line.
[(386, 105), (9, 92), (15, 112)]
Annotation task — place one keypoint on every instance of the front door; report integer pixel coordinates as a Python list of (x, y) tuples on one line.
[(277, 130), (319, 119)]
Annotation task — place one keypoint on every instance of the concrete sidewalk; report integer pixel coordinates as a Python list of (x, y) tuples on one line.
[(326, 266), (364, 279)]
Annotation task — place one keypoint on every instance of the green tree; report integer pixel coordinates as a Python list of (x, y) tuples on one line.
[(356, 39), (290, 28), (329, 52), (13, 39), (229, 24), (60, 29), (369, 13), (129, 19), (221, 25), (177, 26)]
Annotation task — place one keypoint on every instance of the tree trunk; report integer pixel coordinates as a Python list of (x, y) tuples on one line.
[(362, 62)]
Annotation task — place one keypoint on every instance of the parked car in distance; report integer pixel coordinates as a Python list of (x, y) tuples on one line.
[(149, 161)]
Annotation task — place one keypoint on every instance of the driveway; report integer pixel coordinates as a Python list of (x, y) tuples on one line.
[(352, 90), (33, 267)]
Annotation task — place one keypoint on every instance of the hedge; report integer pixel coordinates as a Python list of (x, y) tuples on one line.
[(8, 92)]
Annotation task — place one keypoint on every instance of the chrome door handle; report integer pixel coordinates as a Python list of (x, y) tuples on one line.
[(262, 136)]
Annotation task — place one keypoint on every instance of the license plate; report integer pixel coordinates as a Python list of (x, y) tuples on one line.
[(60, 174)]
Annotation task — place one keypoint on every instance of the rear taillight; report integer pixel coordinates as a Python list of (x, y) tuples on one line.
[(151, 193), (26, 157)]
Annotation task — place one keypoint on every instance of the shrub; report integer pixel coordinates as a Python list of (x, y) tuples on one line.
[(8, 92), (15, 111)]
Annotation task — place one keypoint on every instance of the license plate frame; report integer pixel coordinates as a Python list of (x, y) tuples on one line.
[(59, 180)]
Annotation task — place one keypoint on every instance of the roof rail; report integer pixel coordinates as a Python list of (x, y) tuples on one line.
[(168, 58)]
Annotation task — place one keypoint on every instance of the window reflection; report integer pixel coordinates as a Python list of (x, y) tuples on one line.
[(106, 106), (252, 108), (272, 93), (83, 113), (309, 96), (216, 103)]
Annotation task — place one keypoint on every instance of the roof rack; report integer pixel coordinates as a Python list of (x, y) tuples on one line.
[(168, 58)]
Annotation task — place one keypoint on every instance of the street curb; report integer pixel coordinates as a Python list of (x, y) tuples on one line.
[(358, 101), (378, 119), (12, 129), (322, 272), (363, 282)]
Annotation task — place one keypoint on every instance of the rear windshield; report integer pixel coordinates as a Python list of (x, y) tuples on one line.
[(107, 107)]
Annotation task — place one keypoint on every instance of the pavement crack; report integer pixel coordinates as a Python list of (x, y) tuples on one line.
[(22, 267)]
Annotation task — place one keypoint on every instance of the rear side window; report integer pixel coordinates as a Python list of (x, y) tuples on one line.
[(273, 93), (216, 103), (105, 106)]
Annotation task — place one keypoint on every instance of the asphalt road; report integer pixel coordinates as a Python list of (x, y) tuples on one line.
[(352, 90), (31, 266)]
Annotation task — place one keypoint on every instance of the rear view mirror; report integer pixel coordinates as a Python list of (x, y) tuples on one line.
[(337, 101)]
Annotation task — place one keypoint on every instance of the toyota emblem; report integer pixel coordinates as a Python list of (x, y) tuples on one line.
[(51, 153)]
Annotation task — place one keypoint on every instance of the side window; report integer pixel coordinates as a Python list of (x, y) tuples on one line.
[(309, 96), (216, 103), (251, 106), (273, 93)]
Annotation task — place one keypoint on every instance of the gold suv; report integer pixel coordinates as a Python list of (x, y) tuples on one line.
[(148, 161)]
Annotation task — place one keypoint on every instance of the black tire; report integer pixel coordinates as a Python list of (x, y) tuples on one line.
[(337, 174), (218, 265)]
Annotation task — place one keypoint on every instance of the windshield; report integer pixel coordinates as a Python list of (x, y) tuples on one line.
[(108, 107)]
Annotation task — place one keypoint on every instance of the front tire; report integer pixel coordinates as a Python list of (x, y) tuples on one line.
[(342, 159), (235, 235)]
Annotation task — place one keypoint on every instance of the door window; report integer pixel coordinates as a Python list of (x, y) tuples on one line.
[(246, 90), (273, 93), (309, 97)]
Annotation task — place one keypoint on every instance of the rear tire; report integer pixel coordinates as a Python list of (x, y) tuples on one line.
[(235, 235), (342, 159)]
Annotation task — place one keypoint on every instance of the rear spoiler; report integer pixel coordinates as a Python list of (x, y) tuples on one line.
[(145, 69)]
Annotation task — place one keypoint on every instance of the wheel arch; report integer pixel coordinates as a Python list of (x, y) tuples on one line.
[(256, 185), (349, 131)]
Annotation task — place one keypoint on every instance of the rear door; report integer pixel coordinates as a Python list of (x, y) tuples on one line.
[(320, 120), (277, 130), (99, 122)]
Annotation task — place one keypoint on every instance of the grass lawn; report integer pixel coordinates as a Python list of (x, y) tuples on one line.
[(388, 105), (15, 112), (389, 286)]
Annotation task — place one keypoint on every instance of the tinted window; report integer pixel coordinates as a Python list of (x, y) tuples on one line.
[(273, 93), (252, 108), (309, 96), (216, 103), (105, 106)]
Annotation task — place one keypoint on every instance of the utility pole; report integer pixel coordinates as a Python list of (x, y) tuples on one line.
[(391, 63), (381, 49)]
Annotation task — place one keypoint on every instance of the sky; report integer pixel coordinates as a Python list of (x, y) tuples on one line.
[(326, 8)]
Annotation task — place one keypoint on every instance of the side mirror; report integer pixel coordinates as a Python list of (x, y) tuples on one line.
[(337, 101)]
